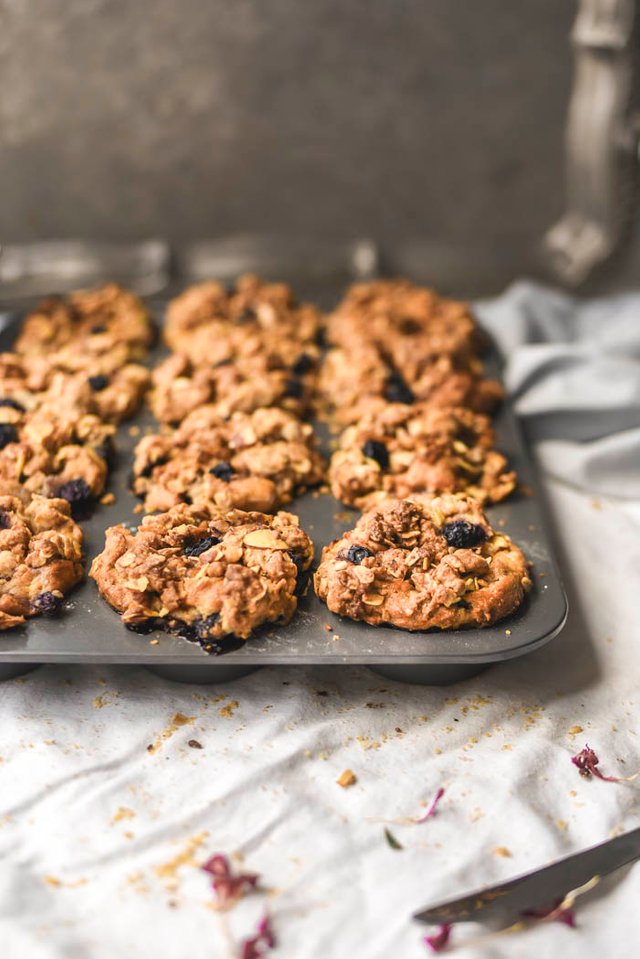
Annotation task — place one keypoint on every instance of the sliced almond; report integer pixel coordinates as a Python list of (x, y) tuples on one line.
[(20, 463), (41, 430), (264, 539), (403, 457), (460, 447), (500, 541), (473, 468), (138, 585), (373, 599), (364, 574)]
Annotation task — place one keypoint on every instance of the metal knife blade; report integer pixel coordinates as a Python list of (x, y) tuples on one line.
[(542, 887)]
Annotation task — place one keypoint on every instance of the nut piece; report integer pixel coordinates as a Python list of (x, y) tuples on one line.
[(373, 599), (264, 539), (138, 585), (347, 778)]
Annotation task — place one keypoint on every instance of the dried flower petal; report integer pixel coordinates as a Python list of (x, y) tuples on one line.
[(227, 886), (257, 946), (391, 839), (562, 911), (587, 763), (555, 913), (438, 941), (431, 811)]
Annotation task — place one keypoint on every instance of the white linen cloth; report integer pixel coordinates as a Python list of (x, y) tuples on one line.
[(101, 839)]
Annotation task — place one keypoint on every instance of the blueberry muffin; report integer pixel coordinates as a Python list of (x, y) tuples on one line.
[(400, 450), (354, 382), (30, 383), (422, 564), (205, 572), (114, 396), (75, 473), (179, 387), (96, 320), (258, 460), (211, 324), (40, 555), (408, 321)]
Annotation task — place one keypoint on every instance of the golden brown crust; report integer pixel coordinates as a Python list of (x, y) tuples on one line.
[(400, 450), (48, 472), (40, 555), (397, 567), (37, 383), (114, 397), (52, 446), (258, 461), (355, 381), (99, 320), (259, 320), (406, 320), (179, 388), (205, 571)]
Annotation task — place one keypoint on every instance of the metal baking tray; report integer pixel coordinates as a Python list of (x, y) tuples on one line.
[(88, 631)]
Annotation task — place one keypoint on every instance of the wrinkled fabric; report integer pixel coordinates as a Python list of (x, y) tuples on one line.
[(107, 812), (572, 369)]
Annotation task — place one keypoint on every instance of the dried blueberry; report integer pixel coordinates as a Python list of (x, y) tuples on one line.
[(47, 603), (463, 535), (302, 574), (355, 554), (13, 404), (466, 435), (409, 326), (99, 328), (461, 604), (202, 627), (75, 491), (304, 364), (149, 467), (223, 471), (294, 388), (98, 382), (8, 434), (196, 547), (375, 450), (297, 558), (5, 522), (396, 390), (248, 315), (146, 625)]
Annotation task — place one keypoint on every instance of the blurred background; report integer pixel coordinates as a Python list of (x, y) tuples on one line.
[(435, 127)]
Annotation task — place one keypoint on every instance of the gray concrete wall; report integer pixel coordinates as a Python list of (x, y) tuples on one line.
[(395, 118)]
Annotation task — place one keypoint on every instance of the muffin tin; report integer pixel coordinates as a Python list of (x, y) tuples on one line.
[(89, 632)]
